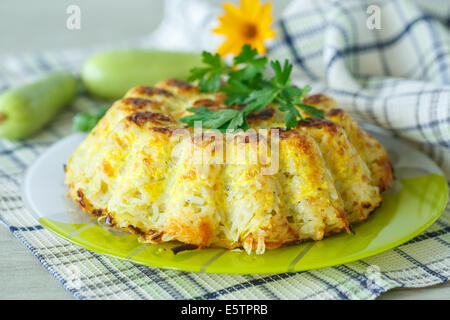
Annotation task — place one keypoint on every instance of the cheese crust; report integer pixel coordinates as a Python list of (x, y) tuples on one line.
[(140, 170)]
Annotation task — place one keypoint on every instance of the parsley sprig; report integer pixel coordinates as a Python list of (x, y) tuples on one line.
[(246, 83), (85, 122)]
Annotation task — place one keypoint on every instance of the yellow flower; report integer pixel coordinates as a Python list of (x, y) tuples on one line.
[(249, 24)]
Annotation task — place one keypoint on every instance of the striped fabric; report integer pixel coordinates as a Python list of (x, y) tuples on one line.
[(396, 77)]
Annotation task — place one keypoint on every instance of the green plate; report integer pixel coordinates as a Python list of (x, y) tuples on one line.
[(417, 199)]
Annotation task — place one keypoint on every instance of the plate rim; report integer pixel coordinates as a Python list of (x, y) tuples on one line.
[(282, 269)]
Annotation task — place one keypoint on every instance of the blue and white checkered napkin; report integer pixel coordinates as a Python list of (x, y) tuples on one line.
[(397, 77)]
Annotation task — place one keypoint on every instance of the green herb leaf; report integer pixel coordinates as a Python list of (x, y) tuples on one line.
[(199, 114), (312, 111), (282, 75), (259, 99), (253, 65), (209, 77), (216, 120), (245, 83), (238, 122), (85, 122), (291, 115)]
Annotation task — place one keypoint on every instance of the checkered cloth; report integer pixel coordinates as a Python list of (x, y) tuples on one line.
[(396, 77)]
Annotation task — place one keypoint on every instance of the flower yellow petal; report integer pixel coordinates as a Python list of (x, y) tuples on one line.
[(265, 16), (227, 29), (250, 8), (233, 12), (266, 10), (249, 24), (259, 46), (267, 33), (230, 46)]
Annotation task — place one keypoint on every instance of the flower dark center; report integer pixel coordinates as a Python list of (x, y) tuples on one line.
[(250, 31)]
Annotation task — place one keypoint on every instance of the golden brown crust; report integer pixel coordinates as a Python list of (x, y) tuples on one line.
[(265, 114), (319, 123), (352, 177), (139, 103), (147, 91), (140, 118), (320, 100), (371, 151), (208, 103), (180, 84), (134, 170)]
